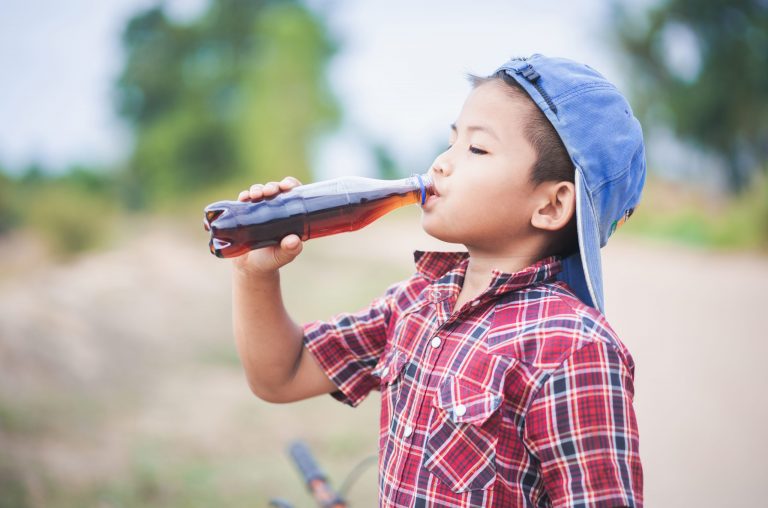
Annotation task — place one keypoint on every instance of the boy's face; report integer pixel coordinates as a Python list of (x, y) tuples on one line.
[(485, 198)]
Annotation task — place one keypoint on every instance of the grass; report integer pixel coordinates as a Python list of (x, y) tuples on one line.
[(13, 492), (144, 444), (163, 472), (679, 214)]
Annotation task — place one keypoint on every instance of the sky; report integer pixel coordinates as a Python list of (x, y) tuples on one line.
[(400, 75)]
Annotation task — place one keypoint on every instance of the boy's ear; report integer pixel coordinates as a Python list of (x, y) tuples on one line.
[(555, 205)]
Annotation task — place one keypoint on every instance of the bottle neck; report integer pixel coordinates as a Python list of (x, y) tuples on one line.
[(422, 183)]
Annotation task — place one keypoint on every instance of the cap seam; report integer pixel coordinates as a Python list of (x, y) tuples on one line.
[(603, 183), (606, 181), (559, 99)]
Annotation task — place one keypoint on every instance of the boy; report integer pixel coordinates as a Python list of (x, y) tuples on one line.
[(502, 384)]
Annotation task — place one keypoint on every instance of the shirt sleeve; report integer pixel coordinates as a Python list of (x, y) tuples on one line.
[(582, 428), (349, 346)]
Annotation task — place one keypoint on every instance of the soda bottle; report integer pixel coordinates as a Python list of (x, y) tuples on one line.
[(309, 211)]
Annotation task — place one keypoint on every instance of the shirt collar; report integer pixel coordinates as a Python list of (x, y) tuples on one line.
[(435, 265)]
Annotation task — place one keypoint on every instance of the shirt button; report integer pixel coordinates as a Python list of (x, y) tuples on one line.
[(460, 410), (408, 431), (436, 295), (436, 341), (385, 372), (475, 303)]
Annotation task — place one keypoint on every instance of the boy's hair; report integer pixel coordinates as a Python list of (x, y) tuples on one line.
[(553, 164)]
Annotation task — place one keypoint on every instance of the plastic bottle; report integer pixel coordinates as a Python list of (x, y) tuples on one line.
[(309, 211)]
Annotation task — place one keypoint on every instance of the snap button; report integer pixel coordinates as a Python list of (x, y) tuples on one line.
[(475, 303), (460, 410), (436, 341), (385, 371), (436, 295), (408, 431)]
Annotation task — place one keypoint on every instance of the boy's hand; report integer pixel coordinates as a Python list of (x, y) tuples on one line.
[(268, 259)]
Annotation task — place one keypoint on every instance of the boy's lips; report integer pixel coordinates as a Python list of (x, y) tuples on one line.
[(434, 196)]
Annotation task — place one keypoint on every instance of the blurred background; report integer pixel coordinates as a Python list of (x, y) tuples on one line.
[(119, 121)]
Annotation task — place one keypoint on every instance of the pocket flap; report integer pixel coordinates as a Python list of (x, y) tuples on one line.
[(466, 404), (388, 369)]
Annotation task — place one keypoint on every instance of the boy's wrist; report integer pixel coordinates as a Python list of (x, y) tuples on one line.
[(250, 275)]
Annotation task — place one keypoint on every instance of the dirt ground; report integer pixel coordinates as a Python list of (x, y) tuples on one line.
[(120, 386)]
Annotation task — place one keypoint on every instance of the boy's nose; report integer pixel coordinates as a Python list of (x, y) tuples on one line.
[(441, 165)]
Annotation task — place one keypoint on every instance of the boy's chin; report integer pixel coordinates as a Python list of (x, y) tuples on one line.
[(435, 231)]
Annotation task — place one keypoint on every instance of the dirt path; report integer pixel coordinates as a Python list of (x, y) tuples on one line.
[(119, 370), (695, 323)]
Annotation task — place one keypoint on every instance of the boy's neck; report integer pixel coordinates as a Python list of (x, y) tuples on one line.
[(482, 263)]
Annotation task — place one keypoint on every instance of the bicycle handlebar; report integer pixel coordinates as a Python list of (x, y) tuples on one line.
[(304, 460), (315, 479)]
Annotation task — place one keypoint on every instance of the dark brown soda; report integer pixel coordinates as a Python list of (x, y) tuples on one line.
[(309, 211)]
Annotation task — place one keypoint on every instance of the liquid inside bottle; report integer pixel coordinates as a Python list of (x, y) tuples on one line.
[(309, 211)]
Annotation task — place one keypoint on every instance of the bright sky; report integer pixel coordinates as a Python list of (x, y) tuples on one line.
[(400, 75)]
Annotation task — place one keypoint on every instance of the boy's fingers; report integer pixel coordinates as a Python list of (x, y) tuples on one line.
[(288, 183), (271, 188), (244, 196), (256, 191), (259, 191), (289, 248), (290, 242)]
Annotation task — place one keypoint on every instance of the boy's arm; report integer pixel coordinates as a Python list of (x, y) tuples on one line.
[(582, 428), (269, 342), (277, 365)]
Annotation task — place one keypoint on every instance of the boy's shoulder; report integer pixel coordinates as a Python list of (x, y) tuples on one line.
[(546, 324)]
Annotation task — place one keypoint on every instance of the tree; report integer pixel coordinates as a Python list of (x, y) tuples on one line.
[(714, 93), (238, 93)]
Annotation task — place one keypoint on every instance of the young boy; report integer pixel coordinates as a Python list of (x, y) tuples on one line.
[(501, 382)]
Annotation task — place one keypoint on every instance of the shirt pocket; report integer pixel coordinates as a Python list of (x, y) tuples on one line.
[(389, 368), (461, 444)]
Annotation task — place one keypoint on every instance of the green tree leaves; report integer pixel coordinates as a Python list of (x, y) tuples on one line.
[(237, 94), (715, 97)]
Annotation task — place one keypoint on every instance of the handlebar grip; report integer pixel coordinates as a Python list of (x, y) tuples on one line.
[(316, 480), (304, 460)]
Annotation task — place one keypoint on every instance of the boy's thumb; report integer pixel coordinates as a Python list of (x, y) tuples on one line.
[(289, 248)]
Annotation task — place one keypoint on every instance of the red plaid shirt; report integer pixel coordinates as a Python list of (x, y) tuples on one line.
[(523, 397)]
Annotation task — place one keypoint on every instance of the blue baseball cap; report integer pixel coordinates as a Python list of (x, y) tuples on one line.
[(605, 143)]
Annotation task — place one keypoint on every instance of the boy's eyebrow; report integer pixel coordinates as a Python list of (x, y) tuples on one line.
[(476, 128)]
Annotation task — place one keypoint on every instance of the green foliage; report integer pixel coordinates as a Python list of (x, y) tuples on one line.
[(385, 162), (285, 99), (8, 213), (237, 94), (72, 213), (720, 105), (737, 223)]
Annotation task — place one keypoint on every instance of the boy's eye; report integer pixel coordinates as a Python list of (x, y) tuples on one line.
[(472, 149)]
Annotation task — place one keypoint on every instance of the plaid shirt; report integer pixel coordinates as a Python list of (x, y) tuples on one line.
[(523, 397)]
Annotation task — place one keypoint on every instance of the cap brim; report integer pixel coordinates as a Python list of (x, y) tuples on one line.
[(583, 271)]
